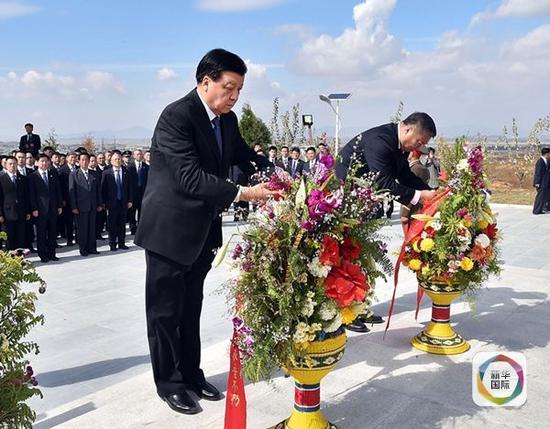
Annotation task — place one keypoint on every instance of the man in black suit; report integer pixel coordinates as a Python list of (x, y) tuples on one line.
[(284, 161), (25, 171), (296, 164), (101, 216), (310, 165), (195, 142), (116, 194), (85, 202), (46, 204), (14, 204), (30, 142), (384, 150), (68, 216), (139, 172), (541, 181)]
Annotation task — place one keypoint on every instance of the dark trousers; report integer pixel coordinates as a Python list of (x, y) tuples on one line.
[(173, 304), (116, 224), (101, 220), (29, 233), (135, 211), (85, 225), (540, 200), (16, 230), (46, 233), (68, 222)]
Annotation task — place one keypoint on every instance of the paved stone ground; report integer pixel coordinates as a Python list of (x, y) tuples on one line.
[(94, 367)]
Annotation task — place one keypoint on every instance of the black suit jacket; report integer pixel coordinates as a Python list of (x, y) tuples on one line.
[(542, 174), (306, 169), (108, 188), (281, 164), (187, 187), (14, 199), (64, 174), (144, 172), (84, 195), (45, 199), (378, 150), (33, 145), (298, 170)]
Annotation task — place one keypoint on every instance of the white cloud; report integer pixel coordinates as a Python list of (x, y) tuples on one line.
[(13, 9), (297, 31), (359, 50), (166, 73), (236, 5), (515, 9)]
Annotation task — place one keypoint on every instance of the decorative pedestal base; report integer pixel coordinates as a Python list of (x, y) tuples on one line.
[(439, 336), (321, 358)]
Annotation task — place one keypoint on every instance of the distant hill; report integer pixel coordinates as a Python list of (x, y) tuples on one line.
[(126, 133)]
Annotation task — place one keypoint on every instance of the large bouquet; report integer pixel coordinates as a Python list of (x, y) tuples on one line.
[(459, 243), (307, 265)]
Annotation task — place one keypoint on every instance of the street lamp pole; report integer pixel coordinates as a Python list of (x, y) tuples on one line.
[(328, 100)]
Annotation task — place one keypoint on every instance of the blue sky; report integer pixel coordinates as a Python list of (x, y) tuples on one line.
[(80, 65)]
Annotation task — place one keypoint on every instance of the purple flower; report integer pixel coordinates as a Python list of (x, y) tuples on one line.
[(320, 204), (29, 370), (237, 251), (327, 160), (462, 212), (307, 225)]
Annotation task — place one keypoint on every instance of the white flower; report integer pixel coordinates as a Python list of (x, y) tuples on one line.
[(436, 224), (328, 310), (309, 305), (462, 165), (317, 269), (358, 308), (334, 324), (483, 240)]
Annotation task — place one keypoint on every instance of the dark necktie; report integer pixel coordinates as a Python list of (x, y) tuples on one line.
[(218, 133), (293, 166), (45, 177), (14, 181), (118, 186), (139, 174)]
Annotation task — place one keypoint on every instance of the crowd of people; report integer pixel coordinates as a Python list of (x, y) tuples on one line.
[(47, 196)]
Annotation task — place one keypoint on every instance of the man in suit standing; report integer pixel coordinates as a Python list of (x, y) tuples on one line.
[(139, 172), (384, 150), (25, 171), (68, 216), (85, 202), (46, 204), (541, 181), (284, 161), (14, 204), (296, 164), (101, 216), (195, 142), (310, 165), (116, 193), (30, 142)]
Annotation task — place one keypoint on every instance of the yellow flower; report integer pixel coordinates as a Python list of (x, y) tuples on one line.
[(425, 270), (427, 245), (415, 264), (348, 315), (415, 246), (467, 223), (482, 224), (466, 264)]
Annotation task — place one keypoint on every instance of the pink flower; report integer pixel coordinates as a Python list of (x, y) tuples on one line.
[(327, 160)]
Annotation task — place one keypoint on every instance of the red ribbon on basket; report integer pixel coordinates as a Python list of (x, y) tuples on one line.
[(235, 402), (415, 229)]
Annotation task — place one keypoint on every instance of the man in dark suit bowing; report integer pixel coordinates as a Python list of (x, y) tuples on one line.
[(117, 196), (195, 142), (30, 142), (14, 204), (46, 204), (384, 150), (85, 202)]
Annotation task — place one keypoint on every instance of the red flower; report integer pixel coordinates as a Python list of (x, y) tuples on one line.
[(443, 175), (330, 253), (430, 231), (350, 250), (491, 231), (346, 284)]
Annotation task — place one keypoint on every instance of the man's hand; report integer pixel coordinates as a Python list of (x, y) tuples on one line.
[(426, 196), (129, 205), (258, 192), (59, 210), (35, 213), (75, 211)]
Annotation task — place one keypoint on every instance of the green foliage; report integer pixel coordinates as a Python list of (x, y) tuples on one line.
[(253, 129), (17, 318)]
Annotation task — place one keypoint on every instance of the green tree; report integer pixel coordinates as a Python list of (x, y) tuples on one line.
[(253, 129), (17, 318)]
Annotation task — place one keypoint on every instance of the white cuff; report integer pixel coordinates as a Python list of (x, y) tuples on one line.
[(416, 198), (238, 196)]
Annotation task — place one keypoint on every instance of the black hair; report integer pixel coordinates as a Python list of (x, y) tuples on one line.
[(431, 149), (8, 157), (311, 148), (85, 153), (321, 144), (48, 148), (423, 121), (43, 155), (57, 153), (295, 149), (217, 61), (116, 151), (273, 148), (545, 150), (284, 146), (28, 124)]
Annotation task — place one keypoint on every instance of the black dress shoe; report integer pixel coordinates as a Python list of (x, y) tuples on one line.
[(205, 390), (32, 250), (123, 247), (44, 260), (357, 326), (84, 254), (95, 252), (182, 403), (373, 318), (54, 258), (70, 243), (113, 248)]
